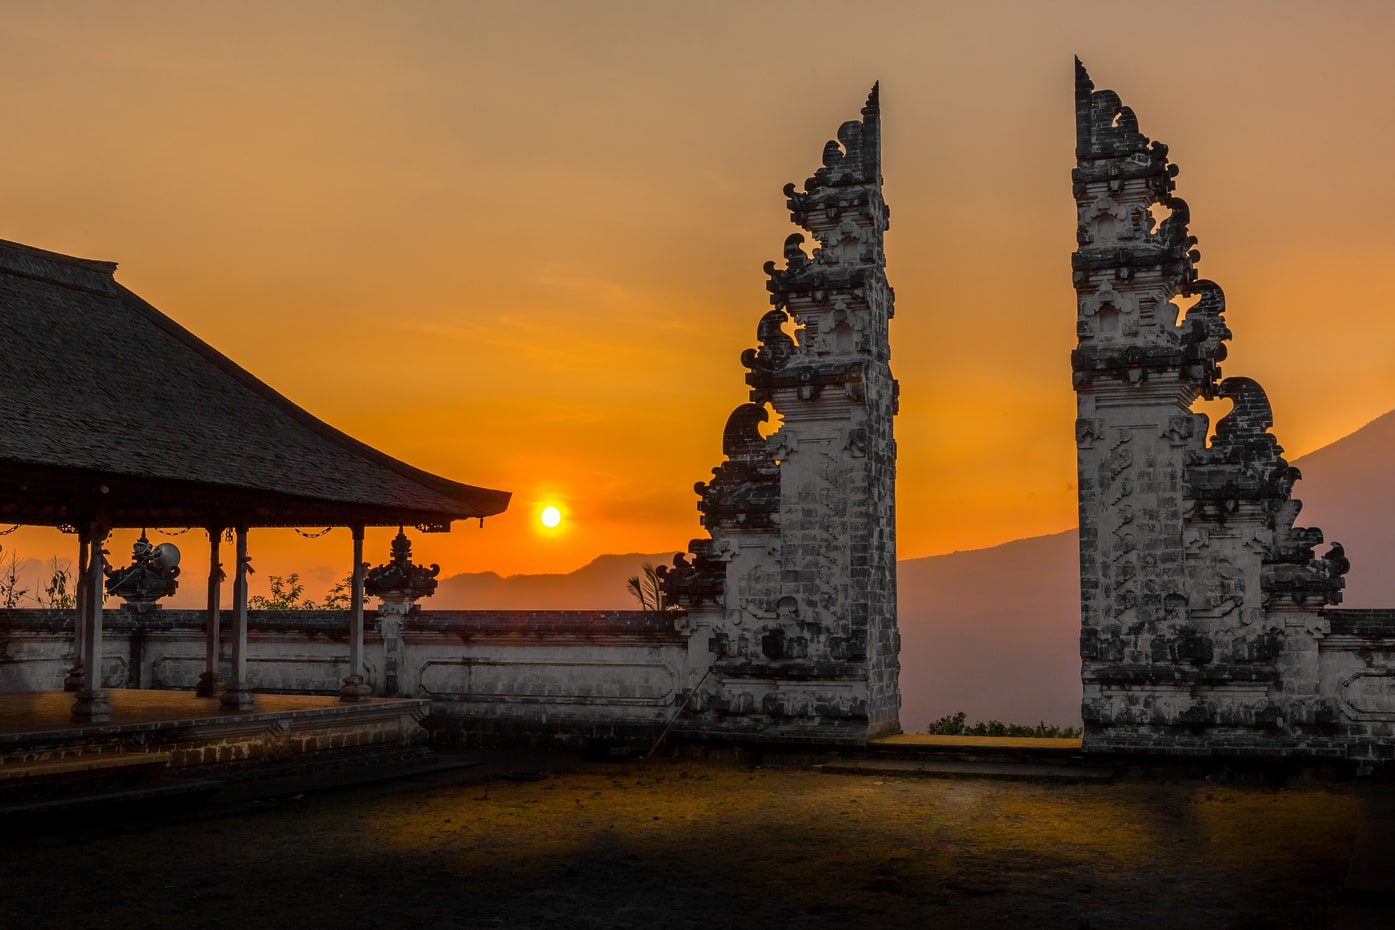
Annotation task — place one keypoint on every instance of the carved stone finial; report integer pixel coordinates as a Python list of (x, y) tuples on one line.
[(744, 493), (1129, 267), (741, 440), (775, 349), (1250, 417), (400, 579), (1204, 335), (1336, 557), (691, 584)]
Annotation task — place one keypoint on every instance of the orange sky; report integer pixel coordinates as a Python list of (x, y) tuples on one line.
[(520, 244)]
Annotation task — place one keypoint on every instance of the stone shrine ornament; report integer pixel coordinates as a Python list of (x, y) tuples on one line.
[(401, 580), (397, 585), (150, 576)]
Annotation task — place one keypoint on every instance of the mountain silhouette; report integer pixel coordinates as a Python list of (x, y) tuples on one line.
[(598, 585)]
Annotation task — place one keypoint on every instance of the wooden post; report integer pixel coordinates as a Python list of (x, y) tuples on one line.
[(211, 681), (91, 705), (354, 688), (83, 605), (236, 694)]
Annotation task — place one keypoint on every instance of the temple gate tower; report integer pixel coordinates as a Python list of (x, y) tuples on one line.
[(1202, 605), (792, 599)]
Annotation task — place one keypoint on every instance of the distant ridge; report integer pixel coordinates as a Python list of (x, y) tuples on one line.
[(1348, 490)]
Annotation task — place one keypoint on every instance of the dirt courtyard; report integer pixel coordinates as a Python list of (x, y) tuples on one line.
[(675, 844)]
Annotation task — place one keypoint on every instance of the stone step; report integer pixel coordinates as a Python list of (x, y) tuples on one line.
[(979, 755), (985, 749), (954, 768), (83, 764), (182, 795)]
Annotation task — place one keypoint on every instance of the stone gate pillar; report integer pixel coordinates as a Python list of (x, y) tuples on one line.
[(793, 598), (1196, 587)]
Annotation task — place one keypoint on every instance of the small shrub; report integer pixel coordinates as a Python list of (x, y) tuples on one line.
[(10, 591), (955, 725), (339, 596), (57, 593), (647, 589), (288, 593)]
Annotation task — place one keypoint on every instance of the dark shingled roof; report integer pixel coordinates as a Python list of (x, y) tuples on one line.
[(107, 403)]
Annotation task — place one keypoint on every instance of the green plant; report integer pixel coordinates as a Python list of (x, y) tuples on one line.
[(57, 593), (288, 593), (339, 596), (954, 725), (646, 590)]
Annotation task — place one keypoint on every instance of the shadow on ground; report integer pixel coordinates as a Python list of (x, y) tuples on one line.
[(687, 845)]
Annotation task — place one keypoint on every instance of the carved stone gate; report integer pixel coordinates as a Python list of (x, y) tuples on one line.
[(1207, 621), (792, 600)]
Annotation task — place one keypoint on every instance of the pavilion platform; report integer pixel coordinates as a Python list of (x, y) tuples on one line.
[(173, 734)]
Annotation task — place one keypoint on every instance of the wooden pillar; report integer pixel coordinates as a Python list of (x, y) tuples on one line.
[(211, 681), (236, 694), (91, 705), (83, 606), (354, 688)]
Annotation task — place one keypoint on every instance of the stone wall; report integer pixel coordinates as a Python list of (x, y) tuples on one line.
[(1355, 672), (560, 677), (494, 677), (1205, 620), (792, 599), (295, 652)]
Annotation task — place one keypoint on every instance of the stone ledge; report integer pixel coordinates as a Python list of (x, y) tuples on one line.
[(1177, 674)]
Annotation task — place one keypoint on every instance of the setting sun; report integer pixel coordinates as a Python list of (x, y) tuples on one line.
[(550, 516)]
